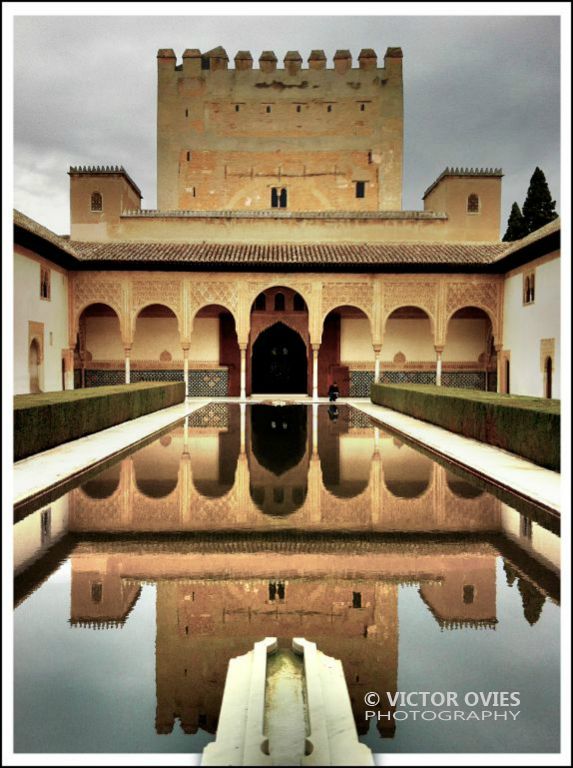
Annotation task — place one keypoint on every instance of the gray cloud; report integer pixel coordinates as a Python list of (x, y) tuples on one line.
[(479, 91)]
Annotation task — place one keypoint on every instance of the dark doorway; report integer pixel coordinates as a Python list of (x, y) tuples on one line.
[(548, 377), (279, 362)]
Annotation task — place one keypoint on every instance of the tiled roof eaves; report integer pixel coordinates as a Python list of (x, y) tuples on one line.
[(28, 225), (518, 245), (303, 255)]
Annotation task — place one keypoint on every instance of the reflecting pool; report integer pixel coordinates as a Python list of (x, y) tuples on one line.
[(135, 589)]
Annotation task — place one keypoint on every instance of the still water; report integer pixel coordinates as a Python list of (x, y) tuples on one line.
[(135, 589)]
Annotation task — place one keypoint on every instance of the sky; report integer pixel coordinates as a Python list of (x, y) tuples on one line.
[(479, 91)]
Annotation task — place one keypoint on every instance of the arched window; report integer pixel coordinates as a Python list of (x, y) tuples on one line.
[(261, 302), (532, 288), (527, 291), (473, 204), (283, 198), (279, 302), (298, 303), (278, 197), (96, 202)]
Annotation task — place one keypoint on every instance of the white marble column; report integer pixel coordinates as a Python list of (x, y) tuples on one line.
[(439, 351), (377, 356), (127, 351), (315, 428), (315, 348), (243, 410), (186, 369), (499, 362)]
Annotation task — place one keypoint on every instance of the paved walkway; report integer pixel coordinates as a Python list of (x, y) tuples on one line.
[(50, 469), (504, 469)]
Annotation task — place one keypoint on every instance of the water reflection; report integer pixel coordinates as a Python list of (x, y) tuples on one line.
[(283, 521), (280, 467)]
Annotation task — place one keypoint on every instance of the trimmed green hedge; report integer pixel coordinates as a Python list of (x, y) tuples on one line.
[(44, 420), (528, 426)]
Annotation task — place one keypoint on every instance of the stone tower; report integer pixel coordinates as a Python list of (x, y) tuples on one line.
[(297, 139)]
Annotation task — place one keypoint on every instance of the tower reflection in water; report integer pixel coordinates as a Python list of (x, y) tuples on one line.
[(280, 520)]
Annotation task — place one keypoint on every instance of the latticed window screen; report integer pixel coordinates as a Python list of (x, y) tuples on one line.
[(96, 201), (473, 204)]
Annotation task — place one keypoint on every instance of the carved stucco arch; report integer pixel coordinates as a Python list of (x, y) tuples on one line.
[(477, 305), (267, 323), (429, 313), (254, 290), (136, 311), (354, 305), (197, 308), (106, 302)]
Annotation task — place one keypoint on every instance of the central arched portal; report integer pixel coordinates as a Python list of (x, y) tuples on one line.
[(279, 362)]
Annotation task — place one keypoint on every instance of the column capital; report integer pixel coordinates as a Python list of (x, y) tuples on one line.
[(439, 348), (185, 346), (243, 346), (498, 347), (127, 349), (377, 348), (315, 347)]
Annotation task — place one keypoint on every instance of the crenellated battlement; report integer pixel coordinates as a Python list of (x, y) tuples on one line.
[(475, 172), (104, 170), (195, 62)]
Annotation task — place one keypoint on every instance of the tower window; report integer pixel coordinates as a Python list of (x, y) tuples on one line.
[(186, 113), (357, 599), (278, 197), (237, 107), (44, 283), (362, 107), (329, 108), (298, 107), (360, 189), (268, 108), (188, 156), (96, 202), (468, 594), (529, 287), (97, 591), (473, 204)]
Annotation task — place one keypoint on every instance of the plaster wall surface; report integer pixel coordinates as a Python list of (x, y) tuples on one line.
[(451, 195), (355, 340), (52, 313), (466, 339), (526, 325), (103, 338), (205, 340), (154, 335)]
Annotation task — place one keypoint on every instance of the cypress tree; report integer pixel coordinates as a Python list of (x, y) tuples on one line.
[(516, 228), (538, 208)]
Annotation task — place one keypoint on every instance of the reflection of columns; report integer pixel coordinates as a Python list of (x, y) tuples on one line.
[(314, 490), (185, 488), (186, 369), (439, 351), (243, 411), (243, 350), (377, 355), (315, 348), (127, 367), (498, 348), (243, 505), (314, 429)]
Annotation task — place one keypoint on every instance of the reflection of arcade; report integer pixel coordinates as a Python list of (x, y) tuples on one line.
[(278, 461), (268, 467), (212, 605)]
